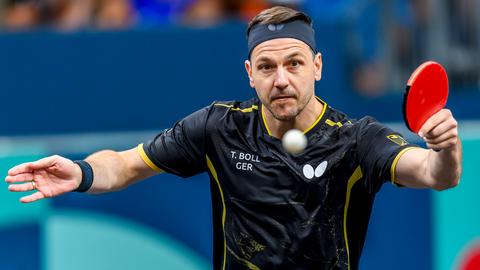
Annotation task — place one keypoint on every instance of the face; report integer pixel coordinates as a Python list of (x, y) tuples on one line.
[(283, 72)]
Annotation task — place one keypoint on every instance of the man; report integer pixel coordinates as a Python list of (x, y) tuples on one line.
[(271, 209)]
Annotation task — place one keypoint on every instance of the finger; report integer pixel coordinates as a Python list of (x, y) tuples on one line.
[(22, 168), (443, 137), (21, 187), (30, 166), (23, 177), (443, 127), (33, 197), (443, 145), (434, 121)]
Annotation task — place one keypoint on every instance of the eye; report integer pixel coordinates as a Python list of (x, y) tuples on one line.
[(295, 63), (265, 67)]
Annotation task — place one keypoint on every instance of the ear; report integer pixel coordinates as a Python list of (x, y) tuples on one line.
[(248, 68), (317, 62)]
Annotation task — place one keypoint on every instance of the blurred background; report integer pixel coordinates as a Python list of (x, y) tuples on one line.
[(78, 76)]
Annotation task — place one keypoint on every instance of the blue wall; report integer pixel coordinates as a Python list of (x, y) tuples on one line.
[(57, 83)]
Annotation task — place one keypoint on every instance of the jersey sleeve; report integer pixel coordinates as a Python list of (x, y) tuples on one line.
[(378, 151), (179, 150)]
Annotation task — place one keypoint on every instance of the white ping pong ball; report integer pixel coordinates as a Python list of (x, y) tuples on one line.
[(294, 141)]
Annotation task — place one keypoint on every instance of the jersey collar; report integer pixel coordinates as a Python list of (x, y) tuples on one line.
[(306, 131)]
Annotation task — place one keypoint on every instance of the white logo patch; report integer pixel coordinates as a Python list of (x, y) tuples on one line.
[(275, 27), (309, 172), (321, 168)]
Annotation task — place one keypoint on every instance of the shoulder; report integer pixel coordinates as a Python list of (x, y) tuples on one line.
[(368, 128), (235, 106), (368, 122), (222, 109), (352, 126), (334, 117), (339, 116), (231, 114), (365, 121)]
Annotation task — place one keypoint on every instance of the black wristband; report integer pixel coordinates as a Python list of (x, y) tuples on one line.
[(87, 176)]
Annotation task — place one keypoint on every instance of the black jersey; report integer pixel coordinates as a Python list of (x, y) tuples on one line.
[(272, 209)]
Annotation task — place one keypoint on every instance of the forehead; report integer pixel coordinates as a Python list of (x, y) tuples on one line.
[(280, 47)]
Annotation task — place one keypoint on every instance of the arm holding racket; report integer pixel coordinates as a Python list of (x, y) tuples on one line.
[(56, 175), (438, 167)]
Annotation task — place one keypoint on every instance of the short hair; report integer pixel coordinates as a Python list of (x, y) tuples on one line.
[(278, 15)]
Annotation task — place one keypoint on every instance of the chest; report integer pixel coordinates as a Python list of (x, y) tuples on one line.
[(257, 169)]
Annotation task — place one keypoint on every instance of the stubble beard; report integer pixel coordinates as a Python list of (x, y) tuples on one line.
[(292, 111)]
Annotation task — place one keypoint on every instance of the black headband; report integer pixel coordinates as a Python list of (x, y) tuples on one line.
[(296, 29)]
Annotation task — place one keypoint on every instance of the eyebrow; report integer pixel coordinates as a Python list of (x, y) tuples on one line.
[(294, 54), (290, 56), (264, 59)]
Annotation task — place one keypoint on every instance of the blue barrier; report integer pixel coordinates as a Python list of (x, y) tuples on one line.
[(146, 80)]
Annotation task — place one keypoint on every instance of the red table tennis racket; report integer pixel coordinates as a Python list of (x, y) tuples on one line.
[(425, 95)]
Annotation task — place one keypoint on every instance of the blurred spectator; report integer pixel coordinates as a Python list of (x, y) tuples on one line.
[(21, 15), (210, 12), (71, 14), (247, 9), (369, 79), (388, 39), (114, 14), (393, 41), (78, 14), (205, 12), (68, 14), (366, 51), (463, 22), (463, 25), (409, 32)]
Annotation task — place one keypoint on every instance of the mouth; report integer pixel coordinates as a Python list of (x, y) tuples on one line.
[(282, 98)]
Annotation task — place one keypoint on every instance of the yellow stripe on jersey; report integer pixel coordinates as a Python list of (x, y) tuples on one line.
[(394, 163), (357, 175), (224, 211), (319, 117), (244, 110), (331, 123), (265, 121), (147, 160), (248, 264), (306, 130)]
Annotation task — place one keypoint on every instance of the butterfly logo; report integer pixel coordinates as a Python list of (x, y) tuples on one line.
[(275, 27), (309, 172)]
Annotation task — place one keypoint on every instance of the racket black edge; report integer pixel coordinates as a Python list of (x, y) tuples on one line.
[(404, 107)]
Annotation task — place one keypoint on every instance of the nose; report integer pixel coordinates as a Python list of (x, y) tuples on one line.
[(281, 79)]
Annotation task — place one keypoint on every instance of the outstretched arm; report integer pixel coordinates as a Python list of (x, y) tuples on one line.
[(440, 166), (117, 170), (56, 175)]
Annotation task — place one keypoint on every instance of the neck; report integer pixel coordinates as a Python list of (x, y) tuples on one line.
[(302, 121)]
